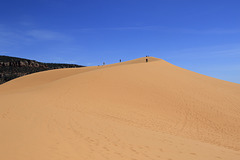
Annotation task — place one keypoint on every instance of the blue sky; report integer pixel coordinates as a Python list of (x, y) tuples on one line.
[(199, 35)]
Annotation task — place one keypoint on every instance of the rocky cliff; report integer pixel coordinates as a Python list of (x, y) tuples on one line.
[(13, 67)]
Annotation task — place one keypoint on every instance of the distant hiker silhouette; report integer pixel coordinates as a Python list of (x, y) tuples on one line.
[(146, 60)]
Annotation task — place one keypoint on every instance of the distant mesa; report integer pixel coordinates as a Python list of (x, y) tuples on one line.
[(13, 67)]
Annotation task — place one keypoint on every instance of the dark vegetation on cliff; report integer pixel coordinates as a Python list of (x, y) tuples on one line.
[(13, 67)]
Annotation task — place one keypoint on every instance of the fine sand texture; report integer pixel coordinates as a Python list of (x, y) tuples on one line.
[(125, 111)]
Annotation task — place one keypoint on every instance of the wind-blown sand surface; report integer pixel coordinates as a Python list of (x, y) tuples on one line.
[(126, 111)]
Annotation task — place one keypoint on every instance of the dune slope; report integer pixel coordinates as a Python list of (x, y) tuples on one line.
[(127, 111)]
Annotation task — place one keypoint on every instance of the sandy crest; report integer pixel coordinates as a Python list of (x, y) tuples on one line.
[(126, 111)]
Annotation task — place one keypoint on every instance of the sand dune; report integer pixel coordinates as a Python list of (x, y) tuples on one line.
[(126, 111)]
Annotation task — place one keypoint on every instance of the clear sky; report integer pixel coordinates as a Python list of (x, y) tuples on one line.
[(199, 35)]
